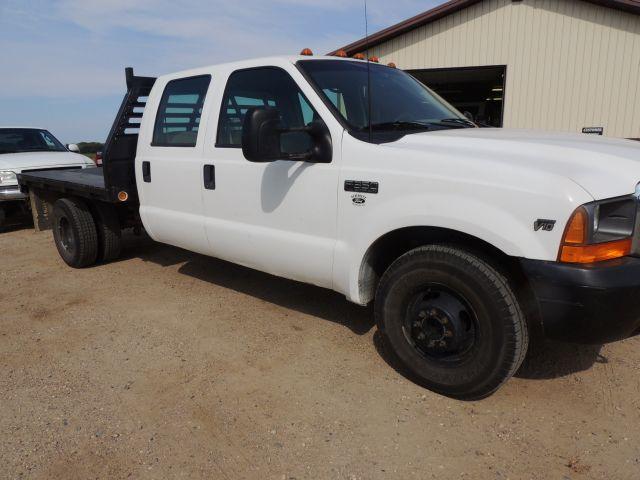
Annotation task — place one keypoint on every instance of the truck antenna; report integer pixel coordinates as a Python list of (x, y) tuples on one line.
[(366, 36)]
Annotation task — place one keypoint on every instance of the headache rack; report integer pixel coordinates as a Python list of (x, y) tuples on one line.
[(119, 153)]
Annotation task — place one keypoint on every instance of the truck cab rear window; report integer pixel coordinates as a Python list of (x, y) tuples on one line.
[(179, 112)]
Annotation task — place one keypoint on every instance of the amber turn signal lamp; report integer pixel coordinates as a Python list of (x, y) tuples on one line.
[(341, 54), (359, 56), (123, 196), (595, 253), (574, 247), (392, 65), (307, 52), (576, 231)]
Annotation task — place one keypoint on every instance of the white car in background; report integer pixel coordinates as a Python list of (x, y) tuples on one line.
[(27, 149)]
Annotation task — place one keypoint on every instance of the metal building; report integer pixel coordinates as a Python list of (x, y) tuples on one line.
[(543, 64)]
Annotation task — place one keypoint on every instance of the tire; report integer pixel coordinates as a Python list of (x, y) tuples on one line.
[(3, 216), (74, 232), (109, 233), (452, 321)]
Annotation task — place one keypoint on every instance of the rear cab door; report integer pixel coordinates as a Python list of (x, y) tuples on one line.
[(169, 160)]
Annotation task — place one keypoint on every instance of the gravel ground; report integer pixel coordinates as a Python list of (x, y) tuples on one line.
[(168, 364)]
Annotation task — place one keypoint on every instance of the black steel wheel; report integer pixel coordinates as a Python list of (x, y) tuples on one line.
[(452, 321), (74, 233)]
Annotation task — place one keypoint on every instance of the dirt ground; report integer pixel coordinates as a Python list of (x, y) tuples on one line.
[(168, 364)]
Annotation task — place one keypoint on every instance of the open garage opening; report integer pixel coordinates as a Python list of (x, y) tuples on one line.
[(478, 91)]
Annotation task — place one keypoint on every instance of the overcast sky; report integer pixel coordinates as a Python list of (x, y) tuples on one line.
[(63, 60)]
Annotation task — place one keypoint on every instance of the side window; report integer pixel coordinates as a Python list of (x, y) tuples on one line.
[(267, 87), (179, 112)]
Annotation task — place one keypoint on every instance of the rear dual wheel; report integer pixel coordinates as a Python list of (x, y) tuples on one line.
[(83, 238), (452, 320)]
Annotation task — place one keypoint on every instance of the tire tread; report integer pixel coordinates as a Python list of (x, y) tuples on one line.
[(516, 334)]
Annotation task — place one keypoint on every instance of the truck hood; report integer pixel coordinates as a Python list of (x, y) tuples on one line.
[(604, 167), (18, 162)]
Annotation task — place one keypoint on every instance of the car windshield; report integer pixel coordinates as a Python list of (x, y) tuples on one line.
[(399, 101), (16, 140)]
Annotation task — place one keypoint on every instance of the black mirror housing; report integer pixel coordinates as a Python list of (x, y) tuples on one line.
[(262, 133)]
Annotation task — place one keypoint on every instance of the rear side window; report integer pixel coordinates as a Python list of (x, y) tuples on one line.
[(179, 112)]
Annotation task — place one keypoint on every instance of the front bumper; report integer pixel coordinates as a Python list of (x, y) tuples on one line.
[(596, 303), (10, 193)]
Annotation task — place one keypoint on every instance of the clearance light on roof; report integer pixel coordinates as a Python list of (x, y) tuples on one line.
[(392, 65), (374, 59), (341, 54), (306, 52), (359, 56)]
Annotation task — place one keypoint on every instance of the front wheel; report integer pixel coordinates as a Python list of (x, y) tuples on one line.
[(452, 320)]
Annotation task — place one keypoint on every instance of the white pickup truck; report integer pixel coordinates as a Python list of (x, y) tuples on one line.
[(353, 176)]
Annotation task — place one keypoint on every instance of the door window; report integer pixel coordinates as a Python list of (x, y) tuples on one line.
[(179, 113), (268, 87)]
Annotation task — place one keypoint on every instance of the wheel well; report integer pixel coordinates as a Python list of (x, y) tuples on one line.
[(386, 249)]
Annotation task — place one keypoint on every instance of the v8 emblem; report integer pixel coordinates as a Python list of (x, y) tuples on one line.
[(544, 225)]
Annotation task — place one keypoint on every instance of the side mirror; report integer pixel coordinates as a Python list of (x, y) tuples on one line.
[(263, 137), (72, 147)]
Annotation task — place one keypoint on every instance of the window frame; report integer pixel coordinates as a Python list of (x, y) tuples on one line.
[(226, 91), (202, 114)]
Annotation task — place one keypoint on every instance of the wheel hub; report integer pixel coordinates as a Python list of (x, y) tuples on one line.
[(66, 237), (440, 323)]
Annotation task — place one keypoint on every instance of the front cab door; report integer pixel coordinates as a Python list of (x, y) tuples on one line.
[(278, 216)]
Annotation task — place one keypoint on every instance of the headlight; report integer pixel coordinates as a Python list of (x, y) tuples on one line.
[(599, 231), (7, 177)]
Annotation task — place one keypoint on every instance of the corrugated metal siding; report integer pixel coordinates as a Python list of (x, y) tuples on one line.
[(570, 64)]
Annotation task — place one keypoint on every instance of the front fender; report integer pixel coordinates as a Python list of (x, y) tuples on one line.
[(504, 221)]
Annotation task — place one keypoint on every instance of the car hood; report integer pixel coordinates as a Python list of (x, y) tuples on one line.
[(604, 167), (18, 162)]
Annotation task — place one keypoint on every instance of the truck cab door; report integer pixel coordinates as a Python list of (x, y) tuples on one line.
[(168, 166), (279, 216)]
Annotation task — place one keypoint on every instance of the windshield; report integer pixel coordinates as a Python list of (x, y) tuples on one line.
[(16, 140), (399, 101)]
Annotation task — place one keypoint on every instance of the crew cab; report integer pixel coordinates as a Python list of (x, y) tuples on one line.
[(26, 149), (354, 176)]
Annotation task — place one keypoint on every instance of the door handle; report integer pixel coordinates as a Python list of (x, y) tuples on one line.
[(146, 171), (209, 177)]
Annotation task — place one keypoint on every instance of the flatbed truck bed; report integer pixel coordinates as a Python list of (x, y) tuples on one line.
[(85, 182), (112, 186)]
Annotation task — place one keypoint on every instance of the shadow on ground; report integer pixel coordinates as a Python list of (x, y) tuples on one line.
[(546, 359), (307, 299), (15, 223), (552, 359)]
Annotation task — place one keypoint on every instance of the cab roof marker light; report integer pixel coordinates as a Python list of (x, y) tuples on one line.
[(306, 52), (359, 56), (341, 54), (392, 65)]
